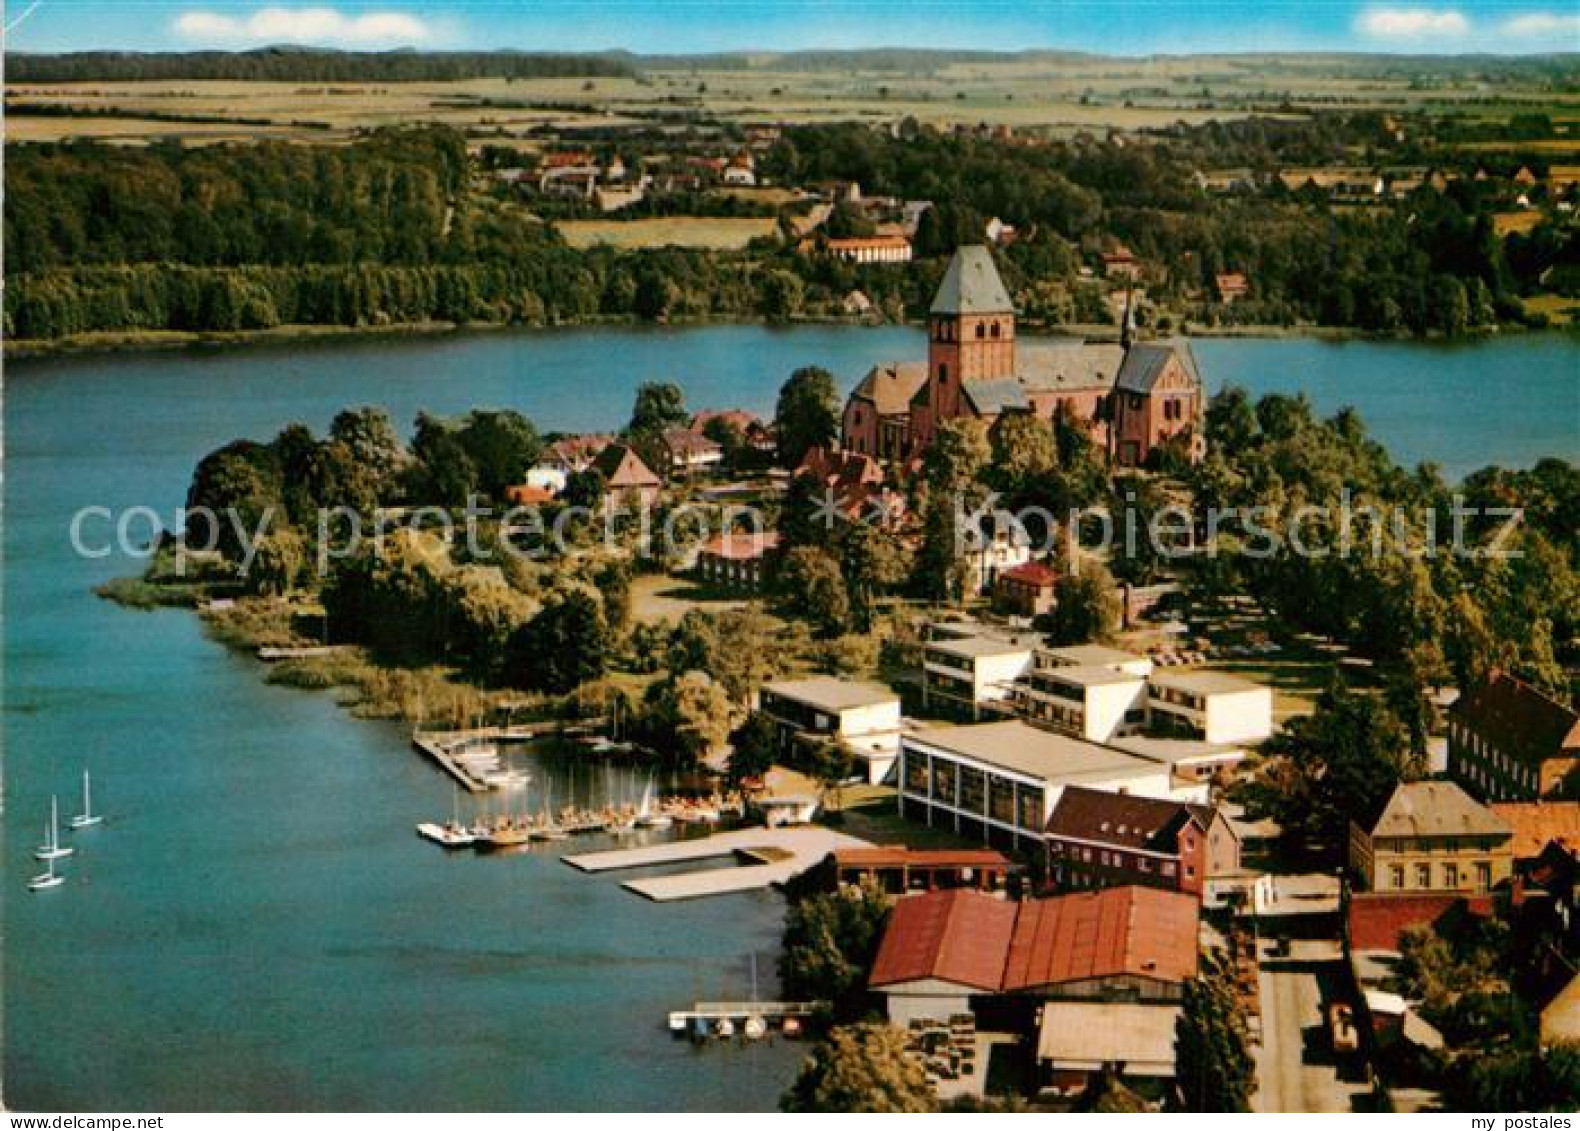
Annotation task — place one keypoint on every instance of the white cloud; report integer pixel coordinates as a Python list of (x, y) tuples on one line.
[(304, 25), (1544, 25), (1410, 23)]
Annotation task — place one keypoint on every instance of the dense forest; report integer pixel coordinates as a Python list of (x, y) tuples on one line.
[(301, 64)]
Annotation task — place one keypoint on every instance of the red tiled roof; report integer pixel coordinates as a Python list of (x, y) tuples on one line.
[(1123, 819), (1536, 824), (1040, 574), (527, 495), (1377, 919), (1127, 930), (683, 442), (1518, 719), (738, 417), (954, 936), (742, 547)]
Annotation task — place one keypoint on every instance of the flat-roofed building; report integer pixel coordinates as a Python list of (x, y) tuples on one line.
[(1094, 703), (1432, 836), (998, 782), (1214, 706), (973, 674), (1094, 656), (862, 716)]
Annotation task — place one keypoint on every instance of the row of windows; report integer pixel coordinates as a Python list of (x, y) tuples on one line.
[(1490, 757), (948, 330), (1451, 875), (1113, 858)]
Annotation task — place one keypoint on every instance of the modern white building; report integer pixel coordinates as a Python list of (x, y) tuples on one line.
[(973, 674), (1094, 703), (864, 717), (1000, 781), (1214, 706)]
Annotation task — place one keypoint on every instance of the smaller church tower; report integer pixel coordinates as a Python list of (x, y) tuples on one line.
[(970, 337)]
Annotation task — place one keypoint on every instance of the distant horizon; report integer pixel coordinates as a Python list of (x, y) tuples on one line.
[(780, 52), (646, 28)]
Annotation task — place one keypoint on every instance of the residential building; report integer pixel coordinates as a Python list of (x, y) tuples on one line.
[(1028, 589), (973, 675), (1507, 741), (1432, 836), (575, 453), (998, 782), (1098, 839), (627, 480), (884, 248), (742, 561), (863, 717), (688, 452), (1214, 706), (1231, 287)]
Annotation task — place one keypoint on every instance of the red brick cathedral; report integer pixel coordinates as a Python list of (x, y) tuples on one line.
[(1133, 397)]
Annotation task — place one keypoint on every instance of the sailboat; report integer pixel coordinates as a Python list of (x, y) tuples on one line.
[(453, 835), (87, 818), (647, 816), (46, 879), (52, 849)]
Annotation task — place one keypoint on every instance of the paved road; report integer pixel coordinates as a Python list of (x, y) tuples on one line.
[(1294, 1068)]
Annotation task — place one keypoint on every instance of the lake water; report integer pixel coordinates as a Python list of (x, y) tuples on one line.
[(256, 926)]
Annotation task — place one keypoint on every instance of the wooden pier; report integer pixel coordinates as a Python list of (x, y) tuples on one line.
[(443, 745)]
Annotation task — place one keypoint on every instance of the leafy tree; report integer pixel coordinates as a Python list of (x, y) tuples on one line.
[(659, 406), (872, 562), (1338, 764), (830, 942), (741, 648), (563, 646), (585, 489), (807, 415), (502, 445), (814, 586), (443, 474), (861, 1068), (955, 463), (1214, 1069), (239, 484), (370, 437), (754, 747), (687, 716), (1023, 449), (1087, 608)]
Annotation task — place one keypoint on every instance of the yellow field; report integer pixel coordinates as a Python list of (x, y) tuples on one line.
[(1560, 311), (716, 233)]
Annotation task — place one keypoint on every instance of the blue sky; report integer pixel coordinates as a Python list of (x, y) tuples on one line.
[(1128, 27)]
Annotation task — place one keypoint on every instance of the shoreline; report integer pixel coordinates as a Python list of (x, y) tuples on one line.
[(106, 343)]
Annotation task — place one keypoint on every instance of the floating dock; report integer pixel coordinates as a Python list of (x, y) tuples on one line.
[(737, 1012), (444, 746), (771, 857)]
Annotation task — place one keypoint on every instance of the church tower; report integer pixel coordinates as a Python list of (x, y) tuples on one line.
[(970, 337)]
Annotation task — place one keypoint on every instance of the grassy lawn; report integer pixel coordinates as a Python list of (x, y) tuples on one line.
[(656, 597), (720, 233)]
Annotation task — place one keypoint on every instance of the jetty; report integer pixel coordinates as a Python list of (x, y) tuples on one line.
[(761, 858), (445, 747)]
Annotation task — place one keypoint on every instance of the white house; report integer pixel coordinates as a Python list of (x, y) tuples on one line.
[(1214, 706), (863, 717), (973, 673)]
